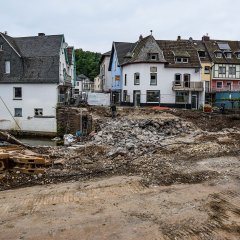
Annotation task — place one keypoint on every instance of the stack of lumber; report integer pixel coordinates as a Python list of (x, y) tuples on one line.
[(16, 158)]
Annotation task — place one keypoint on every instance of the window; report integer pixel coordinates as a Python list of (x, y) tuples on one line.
[(153, 96), (125, 80), (202, 54), (218, 55), (177, 79), (238, 55), (219, 84), (77, 83), (186, 79), (207, 70), (182, 97), (178, 60), (153, 69), (153, 56), (232, 70), (125, 95), (17, 112), (222, 70), (17, 93), (76, 91), (229, 85), (181, 60), (228, 55), (38, 112), (153, 77), (7, 67), (136, 78)]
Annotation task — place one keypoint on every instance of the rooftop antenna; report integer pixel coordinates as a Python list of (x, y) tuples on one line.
[(151, 31)]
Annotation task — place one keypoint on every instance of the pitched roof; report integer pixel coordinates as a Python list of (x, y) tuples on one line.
[(142, 49), (200, 47), (122, 48), (39, 46), (39, 56), (138, 52), (179, 47), (212, 46)]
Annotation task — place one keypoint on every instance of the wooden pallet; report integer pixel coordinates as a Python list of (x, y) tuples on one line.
[(14, 157)]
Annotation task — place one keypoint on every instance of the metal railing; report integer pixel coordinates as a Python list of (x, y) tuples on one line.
[(188, 86), (226, 89)]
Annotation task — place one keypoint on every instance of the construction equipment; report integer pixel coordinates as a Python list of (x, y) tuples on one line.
[(16, 158)]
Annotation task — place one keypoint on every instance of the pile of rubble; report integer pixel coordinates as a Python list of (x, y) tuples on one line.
[(132, 133)]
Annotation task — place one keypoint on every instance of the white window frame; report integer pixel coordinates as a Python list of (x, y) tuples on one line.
[(218, 54), (221, 84), (15, 110), (221, 67), (207, 71), (136, 81), (7, 67), (14, 93), (176, 83), (155, 83)]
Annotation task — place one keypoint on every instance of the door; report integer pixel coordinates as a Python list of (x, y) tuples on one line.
[(194, 102), (136, 98)]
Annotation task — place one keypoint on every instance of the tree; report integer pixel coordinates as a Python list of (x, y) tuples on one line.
[(87, 63)]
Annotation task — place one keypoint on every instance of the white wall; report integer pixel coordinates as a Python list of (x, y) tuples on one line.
[(33, 96), (165, 78), (107, 77), (99, 99)]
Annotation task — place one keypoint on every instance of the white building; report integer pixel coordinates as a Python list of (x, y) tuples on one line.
[(164, 73), (35, 75)]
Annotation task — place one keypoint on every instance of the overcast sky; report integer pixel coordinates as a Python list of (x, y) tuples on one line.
[(94, 24)]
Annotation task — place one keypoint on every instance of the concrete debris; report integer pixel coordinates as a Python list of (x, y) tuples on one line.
[(133, 133)]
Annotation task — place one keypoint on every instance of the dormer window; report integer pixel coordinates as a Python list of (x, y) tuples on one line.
[(237, 55), (218, 54), (153, 56), (228, 55), (202, 54), (181, 60)]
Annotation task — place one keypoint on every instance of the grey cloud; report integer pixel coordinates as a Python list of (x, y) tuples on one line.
[(94, 24)]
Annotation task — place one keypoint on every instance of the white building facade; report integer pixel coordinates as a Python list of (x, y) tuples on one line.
[(40, 77)]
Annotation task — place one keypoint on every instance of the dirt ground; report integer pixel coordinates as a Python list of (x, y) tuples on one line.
[(185, 186)]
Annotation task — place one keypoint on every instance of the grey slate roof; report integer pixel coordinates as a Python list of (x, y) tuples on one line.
[(129, 53), (212, 47), (181, 47), (39, 61)]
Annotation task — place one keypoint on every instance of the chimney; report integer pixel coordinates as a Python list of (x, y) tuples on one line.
[(41, 34), (178, 38), (140, 37), (5, 32), (206, 37)]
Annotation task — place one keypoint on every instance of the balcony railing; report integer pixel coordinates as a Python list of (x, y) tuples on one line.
[(226, 89), (188, 86)]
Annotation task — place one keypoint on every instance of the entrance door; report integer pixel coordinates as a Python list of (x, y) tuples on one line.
[(136, 98), (194, 102)]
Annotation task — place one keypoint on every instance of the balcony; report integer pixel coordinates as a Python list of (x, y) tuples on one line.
[(187, 86), (226, 89)]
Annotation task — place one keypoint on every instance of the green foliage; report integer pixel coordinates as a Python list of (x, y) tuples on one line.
[(87, 63)]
